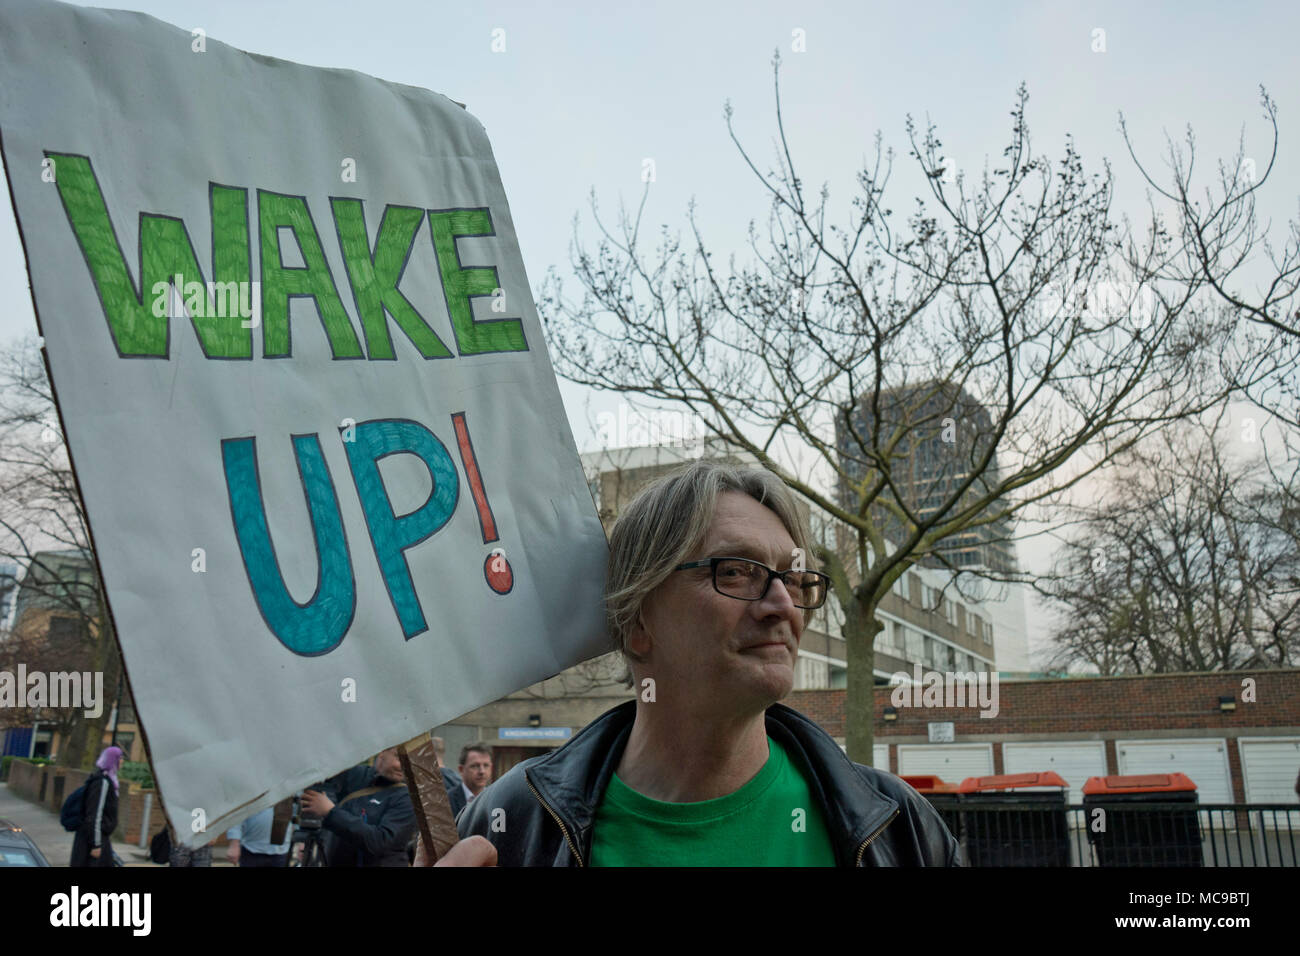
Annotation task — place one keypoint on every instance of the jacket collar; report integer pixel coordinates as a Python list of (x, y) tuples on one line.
[(572, 779)]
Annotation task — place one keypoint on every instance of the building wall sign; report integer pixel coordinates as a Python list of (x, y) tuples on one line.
[(941, 732), (535, 733)]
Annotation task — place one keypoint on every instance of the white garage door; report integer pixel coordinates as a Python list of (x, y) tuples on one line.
[(1268, 768), (1074, 760), (1205, 761), (953, 762), (880, 757)]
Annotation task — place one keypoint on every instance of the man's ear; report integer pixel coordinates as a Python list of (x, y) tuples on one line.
[(639, 639)]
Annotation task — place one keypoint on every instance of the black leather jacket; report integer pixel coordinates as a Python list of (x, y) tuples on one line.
[(550, 801)]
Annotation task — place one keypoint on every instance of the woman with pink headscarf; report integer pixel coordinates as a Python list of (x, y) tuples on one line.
[(92, 846)]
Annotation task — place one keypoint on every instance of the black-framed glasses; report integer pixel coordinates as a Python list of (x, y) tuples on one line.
[(747, 580)]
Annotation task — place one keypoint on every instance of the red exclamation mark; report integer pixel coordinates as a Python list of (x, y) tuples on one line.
[(496, 569)]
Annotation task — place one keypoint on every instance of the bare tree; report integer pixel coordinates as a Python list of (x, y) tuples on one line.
[(1254, 274), (1182, 565), (936, 377), (1224, 248)]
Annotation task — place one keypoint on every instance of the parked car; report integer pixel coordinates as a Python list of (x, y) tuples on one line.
[(17, 848)]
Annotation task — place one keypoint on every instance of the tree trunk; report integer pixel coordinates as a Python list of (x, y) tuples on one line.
[(84, 742), (98, 726), (860, 630), (73, 746)]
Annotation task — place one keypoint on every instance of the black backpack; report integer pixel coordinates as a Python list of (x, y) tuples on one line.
[(74, 809)]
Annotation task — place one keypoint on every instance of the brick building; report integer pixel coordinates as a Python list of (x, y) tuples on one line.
[(1236, 734), (57, 610)]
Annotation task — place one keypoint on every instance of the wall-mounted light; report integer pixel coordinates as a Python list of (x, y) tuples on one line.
[(534, 720), (1227, 704), (891, 713)]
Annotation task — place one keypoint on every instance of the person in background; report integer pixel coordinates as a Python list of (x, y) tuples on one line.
[(475, 769), (92, 845), (184, 856), (250, 842), (366, 814)]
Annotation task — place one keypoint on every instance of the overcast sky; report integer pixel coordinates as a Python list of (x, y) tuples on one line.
[(582, 94)]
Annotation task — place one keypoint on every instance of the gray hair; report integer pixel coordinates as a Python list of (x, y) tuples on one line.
[(666, 522)]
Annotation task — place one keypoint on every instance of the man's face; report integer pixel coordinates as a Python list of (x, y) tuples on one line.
[(706, 650), (389, 765), (476, 771)]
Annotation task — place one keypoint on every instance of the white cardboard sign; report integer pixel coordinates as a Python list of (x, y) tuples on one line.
[(329, 477)]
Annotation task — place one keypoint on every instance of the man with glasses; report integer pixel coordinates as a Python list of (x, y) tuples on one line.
[(707, 597)]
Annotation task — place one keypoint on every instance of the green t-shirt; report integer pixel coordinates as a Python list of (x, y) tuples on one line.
[(774, 820)]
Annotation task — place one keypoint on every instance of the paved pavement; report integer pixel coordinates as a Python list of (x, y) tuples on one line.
[(47, 832)]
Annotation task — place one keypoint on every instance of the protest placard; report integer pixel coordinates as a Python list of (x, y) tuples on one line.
[(329, 477)]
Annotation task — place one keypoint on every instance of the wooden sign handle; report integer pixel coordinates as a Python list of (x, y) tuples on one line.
[(281, 820), (428, 795)]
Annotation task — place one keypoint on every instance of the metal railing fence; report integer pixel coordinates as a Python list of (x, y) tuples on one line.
[(1017, 833)]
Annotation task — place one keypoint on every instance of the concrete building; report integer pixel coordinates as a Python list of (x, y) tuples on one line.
[(62, 582), (8, 591), (944, 430)]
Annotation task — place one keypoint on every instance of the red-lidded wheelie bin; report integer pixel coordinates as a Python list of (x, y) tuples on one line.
[(1016, 819), (1128, 834)]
